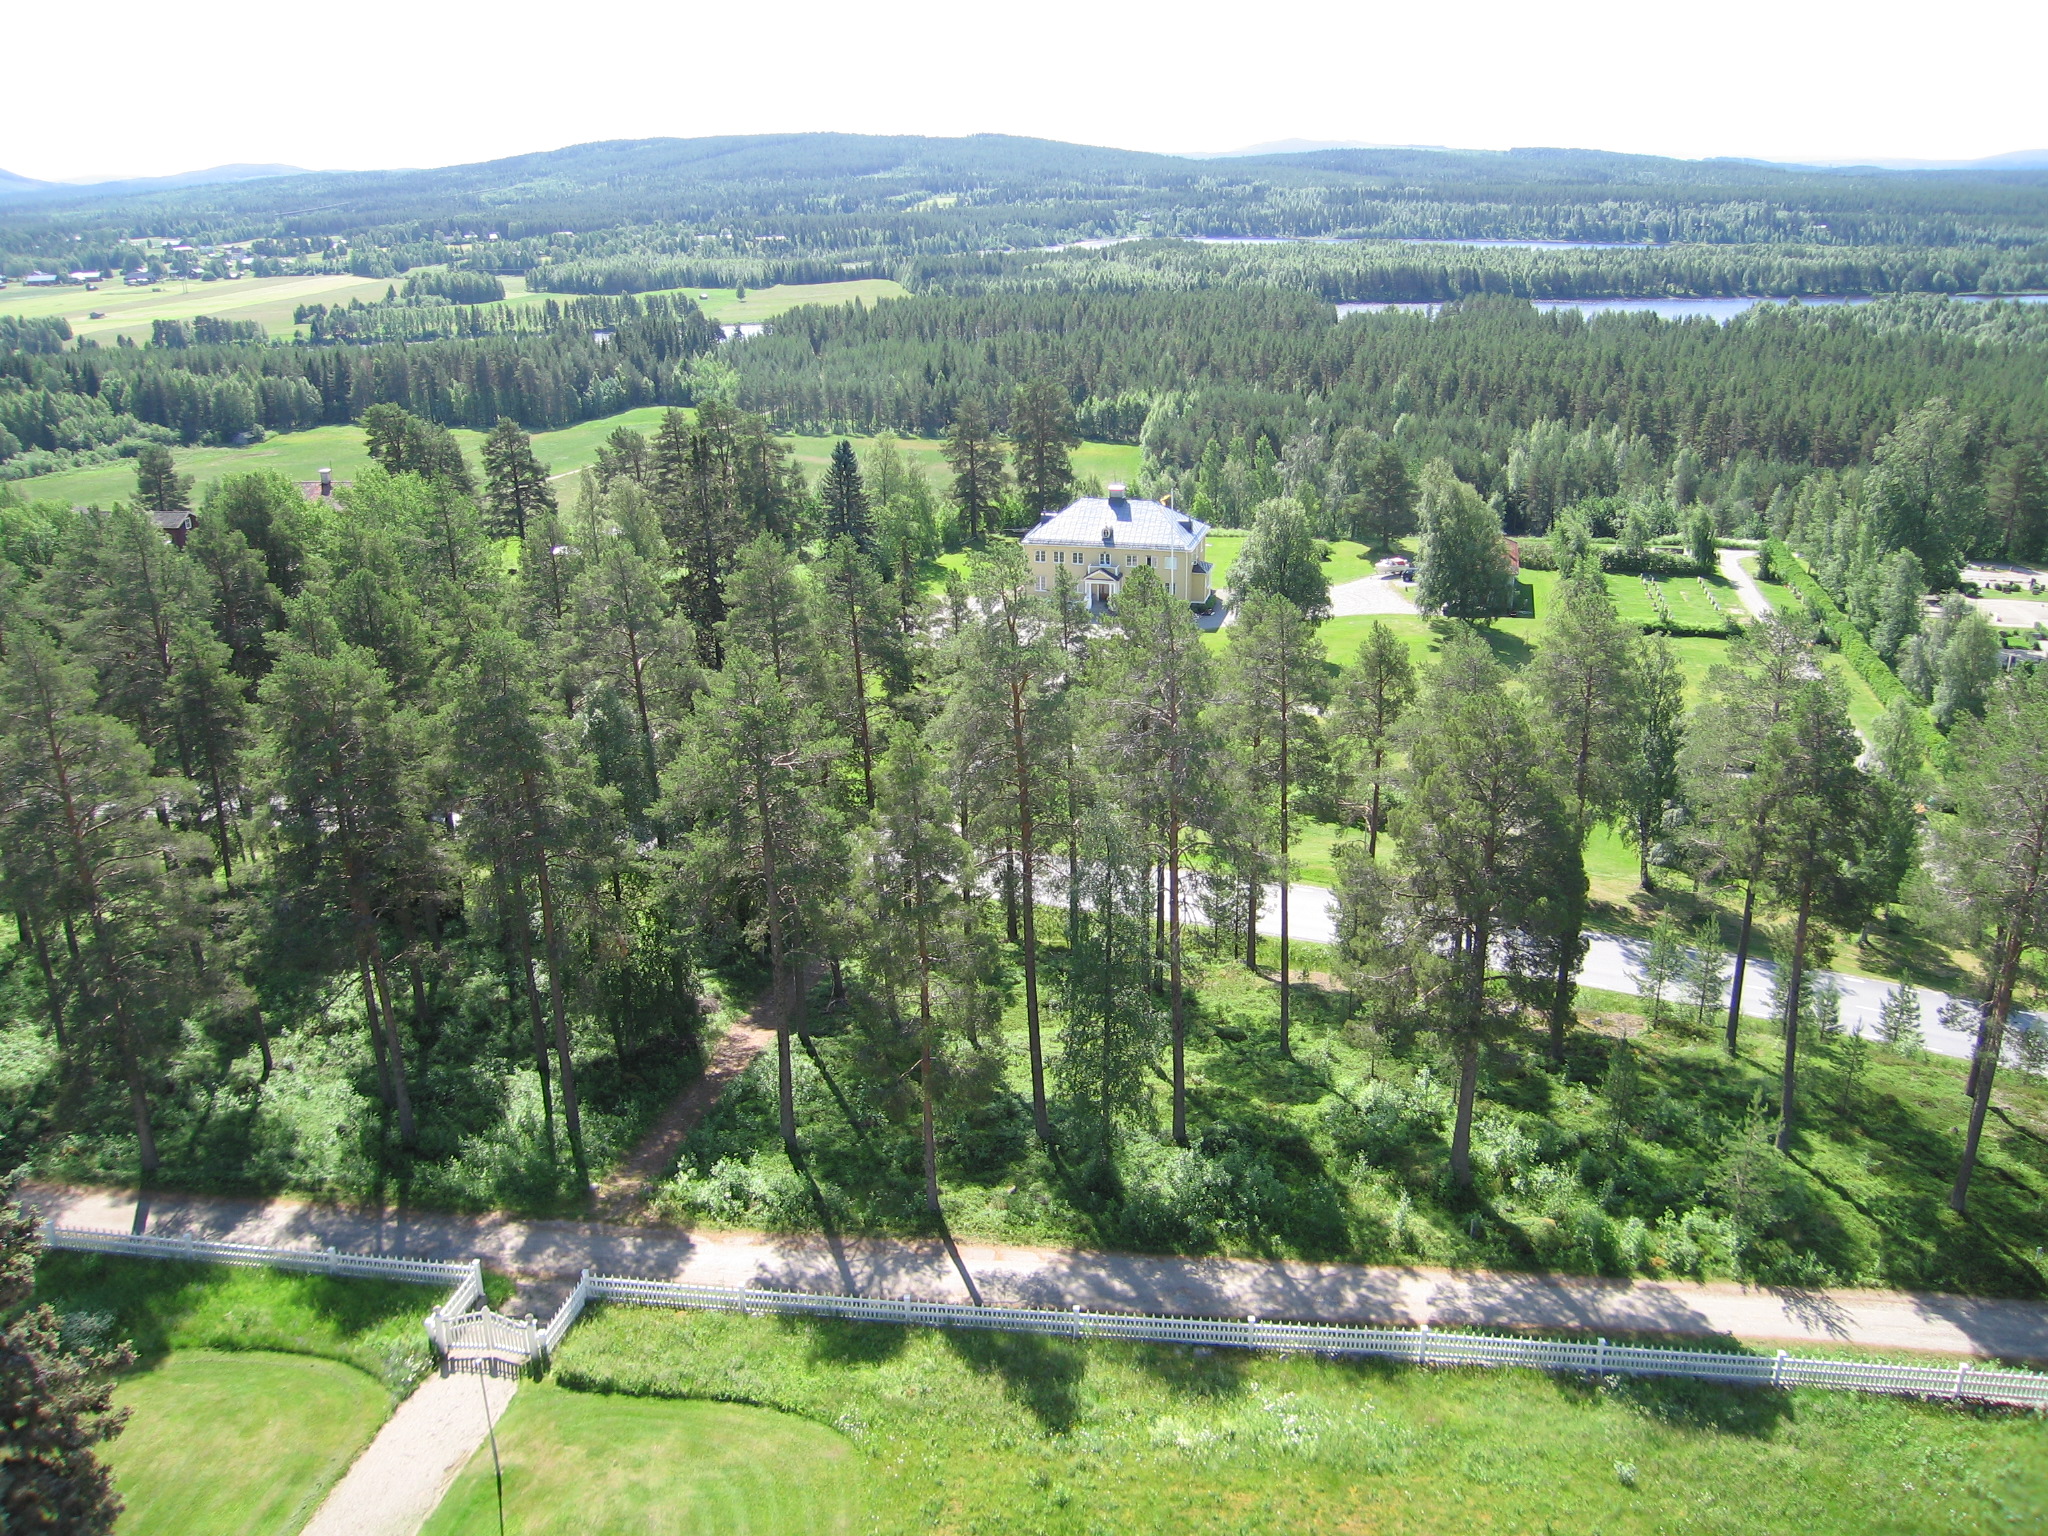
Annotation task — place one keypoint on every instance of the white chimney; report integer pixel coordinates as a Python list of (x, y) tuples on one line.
[(1117, 490)]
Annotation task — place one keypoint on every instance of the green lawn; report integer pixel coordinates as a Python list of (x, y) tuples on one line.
[(255, 1388), (128, 311), (578, 1462), (1690, 600), (973, 1432), (222, 1444), (163, 1307), (302, 455)]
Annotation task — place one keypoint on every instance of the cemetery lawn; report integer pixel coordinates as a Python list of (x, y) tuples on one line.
[(914, 1430)]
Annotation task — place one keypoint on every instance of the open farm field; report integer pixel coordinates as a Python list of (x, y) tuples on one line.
[(301, 456), (898, 1430), (269, 301)]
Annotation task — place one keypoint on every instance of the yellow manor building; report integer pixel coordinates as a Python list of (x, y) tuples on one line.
[(1108, 537)]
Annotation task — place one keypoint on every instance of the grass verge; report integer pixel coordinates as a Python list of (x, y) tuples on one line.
[(970, 1432)]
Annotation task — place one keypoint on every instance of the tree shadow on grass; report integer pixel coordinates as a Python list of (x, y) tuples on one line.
[(835, 1342), (1752, 1412), (1042, 1375), (1195, 1370)]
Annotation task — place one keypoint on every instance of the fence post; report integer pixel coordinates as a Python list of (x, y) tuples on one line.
[(1422, 1346), (1778, 1370), (1962, 1375), (1600, 1360)]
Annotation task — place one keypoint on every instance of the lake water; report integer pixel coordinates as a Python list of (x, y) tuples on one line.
[(1721, 309)]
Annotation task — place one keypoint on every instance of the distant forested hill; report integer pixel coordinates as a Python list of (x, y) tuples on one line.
[(903, 195)]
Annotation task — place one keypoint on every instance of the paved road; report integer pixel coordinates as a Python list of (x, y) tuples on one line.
[(1405, 1296), (1611, 962)]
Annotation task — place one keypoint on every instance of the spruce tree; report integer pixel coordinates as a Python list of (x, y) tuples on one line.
[(1042, 438), (516, 488), (57, 1401), (975, 455), (843, 496)]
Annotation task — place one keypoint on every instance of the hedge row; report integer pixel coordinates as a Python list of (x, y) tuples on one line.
[(1541, 555), (1870, 666)]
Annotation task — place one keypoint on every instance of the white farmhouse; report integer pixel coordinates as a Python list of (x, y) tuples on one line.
[(1108, 537)]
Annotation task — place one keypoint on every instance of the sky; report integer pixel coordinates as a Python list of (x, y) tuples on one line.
[(128, 89)]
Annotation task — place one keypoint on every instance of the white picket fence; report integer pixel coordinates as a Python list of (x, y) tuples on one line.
[(462, 1329), (1420, 1346), (206, 1250)]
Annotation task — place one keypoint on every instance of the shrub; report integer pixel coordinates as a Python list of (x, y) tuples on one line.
[(1541, 555)]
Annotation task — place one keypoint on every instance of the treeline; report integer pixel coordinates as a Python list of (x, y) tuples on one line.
[(583, 359), (1783, 385), (1382, 271), (646, 274)]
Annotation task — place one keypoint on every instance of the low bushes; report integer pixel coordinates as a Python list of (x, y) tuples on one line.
[(1541, 555)]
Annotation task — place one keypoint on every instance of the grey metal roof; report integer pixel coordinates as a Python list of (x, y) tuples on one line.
[(1136, 525)]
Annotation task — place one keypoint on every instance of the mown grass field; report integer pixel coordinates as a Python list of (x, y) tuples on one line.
[(302, 455), (243, 1444), (254, 1389), (577, 1462), (971, 1432), (269, 301)]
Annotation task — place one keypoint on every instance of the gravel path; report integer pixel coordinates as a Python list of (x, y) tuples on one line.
[(1730, 561), (922, 1269), (1371, 594), (402, 1474)]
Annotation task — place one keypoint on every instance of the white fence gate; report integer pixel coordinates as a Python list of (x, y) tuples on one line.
[(463, 1330)]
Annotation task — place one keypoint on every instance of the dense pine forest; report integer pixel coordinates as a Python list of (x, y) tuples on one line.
[(415, 841)]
